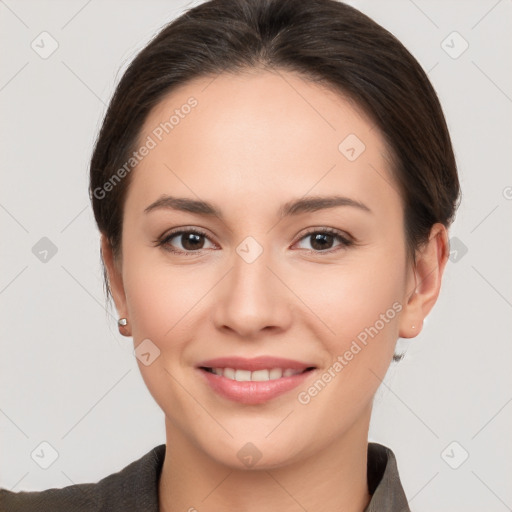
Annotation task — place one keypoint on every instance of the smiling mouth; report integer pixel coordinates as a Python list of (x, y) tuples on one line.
[(262, 375)]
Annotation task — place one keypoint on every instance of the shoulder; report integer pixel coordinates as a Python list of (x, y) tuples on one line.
[(132, 488)]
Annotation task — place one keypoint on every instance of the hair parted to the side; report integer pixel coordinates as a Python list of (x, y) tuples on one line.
[(322, 40)]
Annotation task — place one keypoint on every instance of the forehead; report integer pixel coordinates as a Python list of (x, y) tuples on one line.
[(258, 135)]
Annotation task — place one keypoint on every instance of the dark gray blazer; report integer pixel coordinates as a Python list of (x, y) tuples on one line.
[(135, 488)]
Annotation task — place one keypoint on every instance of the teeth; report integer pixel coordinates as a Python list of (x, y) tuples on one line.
[(228, 372), (275, 373), (260, 375), (242, 375), (255, 376)]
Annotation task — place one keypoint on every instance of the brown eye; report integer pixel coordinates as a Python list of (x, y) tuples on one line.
[(323, 240), (184, 241)]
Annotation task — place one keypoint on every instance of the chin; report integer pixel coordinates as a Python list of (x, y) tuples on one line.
[(255, 455)]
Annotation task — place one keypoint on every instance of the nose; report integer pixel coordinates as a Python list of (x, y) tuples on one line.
[(252, 299)]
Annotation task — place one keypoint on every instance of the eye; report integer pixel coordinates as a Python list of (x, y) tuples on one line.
[(322, 240), (191, 241)]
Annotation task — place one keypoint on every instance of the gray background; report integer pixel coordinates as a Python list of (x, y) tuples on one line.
[(68, 378)]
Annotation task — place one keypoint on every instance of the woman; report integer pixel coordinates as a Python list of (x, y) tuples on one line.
[(273, 183)]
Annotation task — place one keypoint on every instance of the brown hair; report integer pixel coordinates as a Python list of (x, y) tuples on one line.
[(322, 40)]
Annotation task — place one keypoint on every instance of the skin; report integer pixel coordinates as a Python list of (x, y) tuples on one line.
[(255, 141)]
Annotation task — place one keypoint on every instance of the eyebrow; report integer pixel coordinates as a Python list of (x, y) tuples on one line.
[(294, 207)]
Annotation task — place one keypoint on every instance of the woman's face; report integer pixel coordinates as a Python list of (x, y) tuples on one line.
[(261, 279)]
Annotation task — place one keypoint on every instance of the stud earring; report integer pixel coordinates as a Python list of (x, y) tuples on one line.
[(122, 322)]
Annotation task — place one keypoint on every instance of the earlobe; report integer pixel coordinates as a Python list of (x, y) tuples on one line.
[(115, 280), (428, 271)]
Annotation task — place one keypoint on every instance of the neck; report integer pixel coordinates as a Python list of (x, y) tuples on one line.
[(333, 479)]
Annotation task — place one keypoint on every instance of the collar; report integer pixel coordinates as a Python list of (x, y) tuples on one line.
[(383, 480)]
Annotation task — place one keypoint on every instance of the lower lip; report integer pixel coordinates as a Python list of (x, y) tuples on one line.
[(253, 392)]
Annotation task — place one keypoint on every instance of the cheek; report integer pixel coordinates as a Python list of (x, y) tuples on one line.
[(362, 308), (164, 303), (368, 299), (159, 294), (354, 296), (361, 304), (163, 300)]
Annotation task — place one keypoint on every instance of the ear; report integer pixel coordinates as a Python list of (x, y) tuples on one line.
[(115, 280), (424, 281)]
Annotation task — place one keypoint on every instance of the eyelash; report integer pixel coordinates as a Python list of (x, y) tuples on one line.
[(345, 241)]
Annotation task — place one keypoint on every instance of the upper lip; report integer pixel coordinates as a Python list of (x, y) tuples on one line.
[(253, 364)]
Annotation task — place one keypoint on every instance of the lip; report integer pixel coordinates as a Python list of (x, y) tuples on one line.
[(257, 392)]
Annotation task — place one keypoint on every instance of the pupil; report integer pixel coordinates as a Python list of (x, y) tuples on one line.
[(317, 238), (191, 239)]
